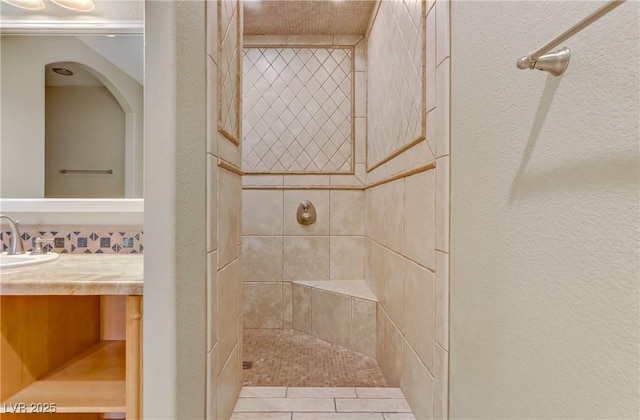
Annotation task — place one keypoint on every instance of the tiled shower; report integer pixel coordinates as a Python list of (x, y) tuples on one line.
[(534, 181), (358, 125)]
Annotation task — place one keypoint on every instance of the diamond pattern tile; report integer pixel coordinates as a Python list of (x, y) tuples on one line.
[(297, 110), (228, 69), (395, 80)]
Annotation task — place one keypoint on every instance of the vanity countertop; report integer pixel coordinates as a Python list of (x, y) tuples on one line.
[(77, 274)]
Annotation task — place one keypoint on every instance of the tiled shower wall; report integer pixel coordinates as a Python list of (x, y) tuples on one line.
[(297, 110), (407, 220), (224, 293), (276, 249)]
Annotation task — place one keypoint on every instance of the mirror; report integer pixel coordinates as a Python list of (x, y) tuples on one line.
[(71, 116), (104, 40)]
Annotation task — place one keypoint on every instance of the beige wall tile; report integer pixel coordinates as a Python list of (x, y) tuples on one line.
[(443, 38), (302, 308), (262, 306), (363, 326), (360, 94), (442, 299), (249, 40), (417, 385), (319, 199), (379, 333), (346, 258), (240, 344), (378, 173), (306, 258), (350, 180), (379, 219), (393, 301), (368, 213), (390, 361), (442, 108), (262, 212), (368, 245), (361, 56), (419, 155), (230, 293), (377, 267), (441, 384), (431, 60), (229, 196), (420, 310), (361, 139), (347, 39), (347, 213), (262, 258), (228, 386), (394, 215), (287, 305), (309, 39), (262, 180), (330, 316), (212, 202), (431, 131), (420, 218), (442, 204), (229, 151), (212, 106), (210, 387), (306, 180), (212, 299)]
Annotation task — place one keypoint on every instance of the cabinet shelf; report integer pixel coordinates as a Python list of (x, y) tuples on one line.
[(93, 382)]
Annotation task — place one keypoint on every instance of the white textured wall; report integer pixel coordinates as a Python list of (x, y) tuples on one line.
[(174, 219), (544, 239)]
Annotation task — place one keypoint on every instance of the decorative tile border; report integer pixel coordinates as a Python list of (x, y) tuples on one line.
[(81, 239)]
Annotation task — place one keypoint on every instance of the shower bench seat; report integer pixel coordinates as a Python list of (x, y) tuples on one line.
[(342, 312)]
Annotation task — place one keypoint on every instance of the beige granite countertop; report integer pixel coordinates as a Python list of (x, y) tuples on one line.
[(77, 274)]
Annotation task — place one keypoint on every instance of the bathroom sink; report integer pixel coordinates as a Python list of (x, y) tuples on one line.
[(23, 260)]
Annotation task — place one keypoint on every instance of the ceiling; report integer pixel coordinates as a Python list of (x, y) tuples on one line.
[(81, 76), (307, 17)]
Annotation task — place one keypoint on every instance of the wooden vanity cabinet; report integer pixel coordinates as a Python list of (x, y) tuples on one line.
[(52, 358)]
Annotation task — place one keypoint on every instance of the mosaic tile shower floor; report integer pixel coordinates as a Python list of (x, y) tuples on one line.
[(291, 358)]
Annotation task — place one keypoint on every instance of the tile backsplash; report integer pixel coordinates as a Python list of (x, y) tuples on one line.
[(81, 239)]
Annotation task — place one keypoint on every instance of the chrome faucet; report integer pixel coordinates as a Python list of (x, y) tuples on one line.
[(15, 246)]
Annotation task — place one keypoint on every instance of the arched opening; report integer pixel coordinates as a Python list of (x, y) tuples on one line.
[(85, 130)]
